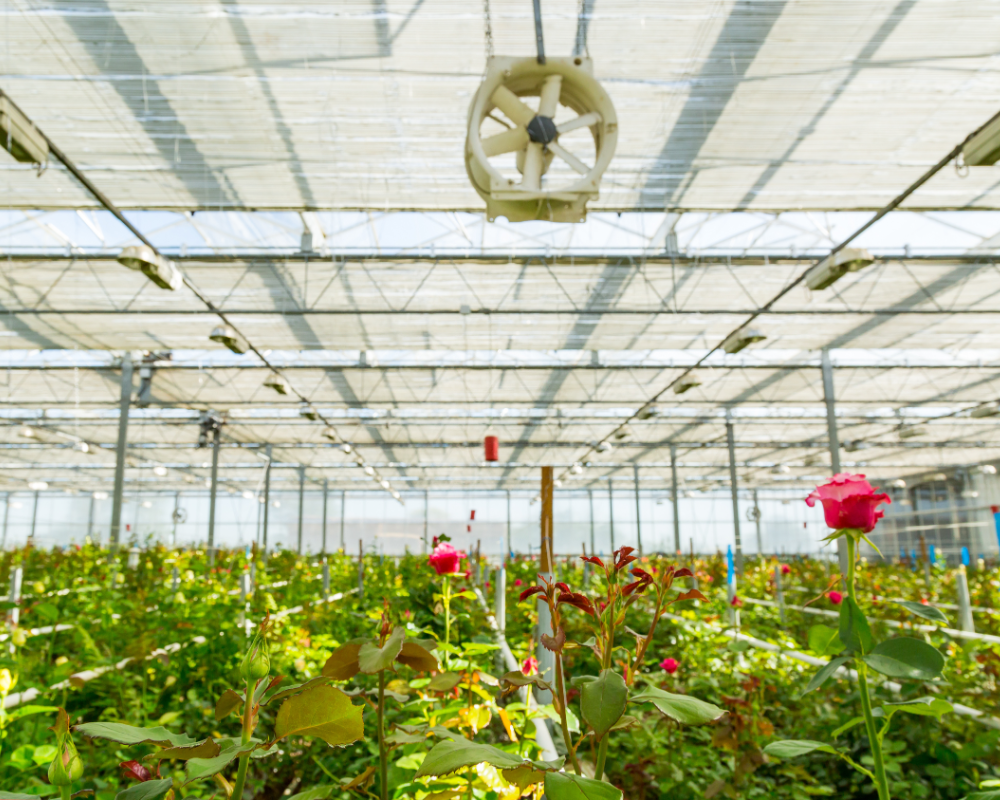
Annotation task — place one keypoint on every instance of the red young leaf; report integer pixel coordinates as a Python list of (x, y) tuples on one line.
[(135, 771), (562, 587), (530, 591), (579, 601), (694, 594), (592, 560), (554, 643), (684, 573), (642, 574), (638, 586)]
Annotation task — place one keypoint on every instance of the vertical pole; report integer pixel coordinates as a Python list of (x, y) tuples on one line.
[(6, 513), (116, 502), (546, 659), (510, 546), (267, 499), (302, 497), (16, 578), (965, 622), (343, 516), (326, 492), (361, 568), (590, 496), (34, 519), (500, 605), (756, 520), (90, 518), (426, 513), (676, 499), (611, 514), (326, 578), (539, 41), (730, 440), (212, 495), (833, 439), (246, 587), (173, 517), (638, 522)]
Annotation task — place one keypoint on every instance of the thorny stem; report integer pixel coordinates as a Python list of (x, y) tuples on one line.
[(383, 756), (881, 783), (241, 773), (609, 644), (567, 738), (447, 617)]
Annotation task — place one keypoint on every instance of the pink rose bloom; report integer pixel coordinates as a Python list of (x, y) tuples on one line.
[(444, 559), (736, 602), (530, 665), (849, 501), (785, 569), (518, 582), (836, 598), (670, 665)]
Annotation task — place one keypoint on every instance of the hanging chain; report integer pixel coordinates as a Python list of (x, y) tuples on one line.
[(488, 28), (582, 29)]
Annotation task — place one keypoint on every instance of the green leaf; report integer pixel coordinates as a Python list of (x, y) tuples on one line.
[(927, 612), (372, 658), (824, 673), (316, 793), (447, 756), (343, 664), (27, 711), (148, 790), (513, 680), (855, 632), (847, 726), (47, 610), (14, 796), (206, 767), (566, 786), (602, 702), (322, 711), (417, 657), (790, 748), (913, 659), (205, 749), (824, 640), (679, 707), (466, 594), (922, 707), (444, 682), (991, 794), (129, 734), (227, 704), (278, 692)]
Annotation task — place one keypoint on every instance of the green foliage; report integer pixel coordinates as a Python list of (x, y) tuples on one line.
[(602, 701)]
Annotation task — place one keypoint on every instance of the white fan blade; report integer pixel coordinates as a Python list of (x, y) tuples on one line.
[(584, 121), (550, 96), (511, 105), (533, 158), (569, 158), (505, 142)]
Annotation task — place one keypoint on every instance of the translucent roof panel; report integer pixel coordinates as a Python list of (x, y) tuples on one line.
[(815, 104)]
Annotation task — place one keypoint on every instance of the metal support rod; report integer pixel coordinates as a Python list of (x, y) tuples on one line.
[(116, 502), (343, 516), (173, 517), (426, 513), (611, 514), (756, 520), (216, 435), (833, 439), (6, 515), (779, 593), (90, 518), (539, 41), (267, 498), (736, 502), (34, 519), (675, 499), (590, 496), (510, 544), (326, 492), (546, 658), (302, 498), (638, 518), (965, 621)]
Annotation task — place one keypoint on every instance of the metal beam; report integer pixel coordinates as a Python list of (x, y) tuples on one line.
[(123, 408), (833, 439), (216, 433), (734, 488), (675, 499), (302, 496), (638, 519)]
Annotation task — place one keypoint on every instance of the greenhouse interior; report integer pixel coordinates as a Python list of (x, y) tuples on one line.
[(439, 400)]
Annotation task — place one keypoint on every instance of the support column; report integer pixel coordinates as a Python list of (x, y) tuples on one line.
[(427, 503), (590, 495), (638, 519), (34, 518), (510, 547), (267, 498), (833, 438), (326, 492), (730, 439), (6, 515), (343, 516), (546, 659), (611, 514), (123, 406), (756, 520), (90, 518), (302, 497), (216, 433), (675, 499)]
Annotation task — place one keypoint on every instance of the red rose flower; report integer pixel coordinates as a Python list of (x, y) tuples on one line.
[(670, 665), (530, 665), (445, 559), (785, 569), (849, 501), (835, 597), (736, 602), (518, 582)]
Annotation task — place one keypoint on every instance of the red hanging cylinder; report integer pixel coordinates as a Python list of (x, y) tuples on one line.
[(491, 446)]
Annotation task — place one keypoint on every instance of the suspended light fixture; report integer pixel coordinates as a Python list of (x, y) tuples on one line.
[(157, 268), (742, 338), (988, 469), (248, 495), (622, 433), (577, 468), (308, 412), (277, 382), (535, 137), (912, 433), (834, 267), (604, 446), (491, 448), (384, 483), (986, 410), (81, 447), (27, 432), (330, 433), (227, 336), (648, 411), (368, 469), (899, 483), (38, 486), (100, 495), (983, 149), (346, 447), (20, 137), (687, 383), (160, 471)]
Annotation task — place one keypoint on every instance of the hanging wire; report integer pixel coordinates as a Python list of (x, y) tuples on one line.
[(539, 38), (488, 29)]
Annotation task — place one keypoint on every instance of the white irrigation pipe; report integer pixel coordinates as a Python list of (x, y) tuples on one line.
[(910, 626), (949, 606), (795, 655), (542, 734)]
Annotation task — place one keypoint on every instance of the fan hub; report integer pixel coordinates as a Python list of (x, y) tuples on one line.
[(542, 130)]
